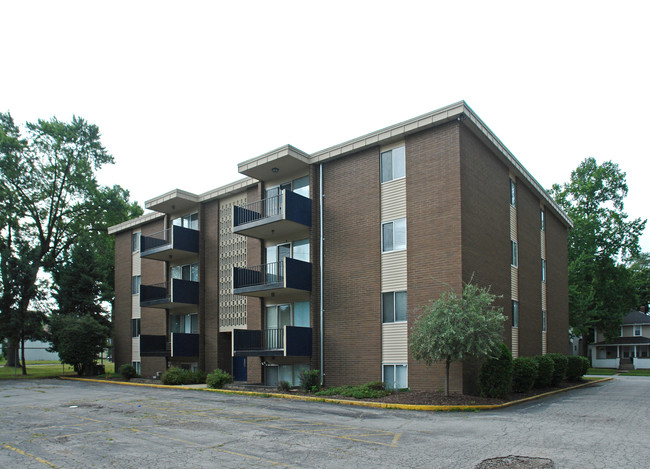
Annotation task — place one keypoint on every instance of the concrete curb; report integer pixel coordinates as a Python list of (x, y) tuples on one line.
[(379, 405)]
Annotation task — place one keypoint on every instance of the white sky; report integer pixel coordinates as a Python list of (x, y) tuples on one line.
[(183, 91)]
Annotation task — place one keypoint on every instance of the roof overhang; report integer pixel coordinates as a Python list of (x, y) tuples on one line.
[(176, 202), (284, 161), (135, 222)]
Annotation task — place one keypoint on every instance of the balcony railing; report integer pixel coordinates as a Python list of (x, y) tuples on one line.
[(154, 346), (280, 215), (261, 280), (286, 341), (176, 293), (184, 345), (175, 243)]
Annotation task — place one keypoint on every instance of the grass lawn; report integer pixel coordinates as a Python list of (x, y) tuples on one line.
[(602, 371), (47, 370), (638, 373)]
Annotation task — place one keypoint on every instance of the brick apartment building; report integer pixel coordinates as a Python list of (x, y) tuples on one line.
[(324, 260)]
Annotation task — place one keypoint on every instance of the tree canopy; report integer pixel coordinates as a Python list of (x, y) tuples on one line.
[(600, 290), (49, 198), (458, 326), (79, 340)]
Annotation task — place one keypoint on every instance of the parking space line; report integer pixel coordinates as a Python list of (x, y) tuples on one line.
[(35, 458)]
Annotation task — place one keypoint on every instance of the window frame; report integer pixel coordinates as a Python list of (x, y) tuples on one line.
[(543, 270), (136, 281), (394, 310), (636, 327), (392, 223), (393, 157), (514, 253), (135, 327), (513, 192), (542, 218), (544, 320), (515, 314), (135, 241), (394, 368)]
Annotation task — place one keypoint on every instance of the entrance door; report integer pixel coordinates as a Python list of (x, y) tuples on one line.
[(239, 369)]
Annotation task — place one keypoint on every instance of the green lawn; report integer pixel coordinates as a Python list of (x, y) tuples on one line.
[(638, 373), (48, 370), (602, 371)]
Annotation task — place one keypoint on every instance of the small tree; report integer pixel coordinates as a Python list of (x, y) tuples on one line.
[(79, 340), (455, 327)]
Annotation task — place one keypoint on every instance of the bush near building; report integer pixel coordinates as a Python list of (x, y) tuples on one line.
[(218, 379), (495, 376), (524, 374), (545, 368), (560, 365), (177, 376)]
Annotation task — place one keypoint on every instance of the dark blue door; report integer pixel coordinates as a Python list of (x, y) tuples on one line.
[(239, 368)]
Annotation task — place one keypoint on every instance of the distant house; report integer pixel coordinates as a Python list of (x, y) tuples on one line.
[(629, 351), (38, 351)]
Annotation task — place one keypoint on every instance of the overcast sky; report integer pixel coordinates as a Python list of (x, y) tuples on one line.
[(183, 91)]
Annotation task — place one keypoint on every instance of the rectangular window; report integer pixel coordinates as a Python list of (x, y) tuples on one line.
[(393, 234), (301, 250), (542, 219), (637, 330), (544, 320), (184, 323), (135, 242), (543, 270), (135, 284), (135, 327), (513, 253), (186, 272), (393, 164), (396, 376), (301, 186), (190, 221), (515, 313), (301, 314), (513, 193), (137, 367), (393, 305)]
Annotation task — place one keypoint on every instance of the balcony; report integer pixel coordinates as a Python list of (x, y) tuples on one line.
[(290, 341), (177, 294), (181, 345), (275, 217), (173, 244), (285, 277)]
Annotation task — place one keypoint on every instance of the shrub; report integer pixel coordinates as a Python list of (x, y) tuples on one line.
[(545, 368), (127, 371), (376, 385), (559, 372), (524, 373), (284, 386), (310, 380), (176, 376), (218, 378), (495, 375), (365, 391), (574, 368), (586, 364)]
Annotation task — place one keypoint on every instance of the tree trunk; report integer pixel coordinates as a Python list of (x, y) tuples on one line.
[(11, 354), (22, 348), (447, 376)]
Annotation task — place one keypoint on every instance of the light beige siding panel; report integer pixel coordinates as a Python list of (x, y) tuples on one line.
[(393, 271), (514, 284), (544, 304), (543, 244), (393, 199), (515, 342), (135, 349), (135, 306), (136, 264), (544, 344), (513, 223), (394, 342)]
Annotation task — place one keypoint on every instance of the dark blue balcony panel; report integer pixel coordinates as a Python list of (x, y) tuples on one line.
[(177, 294), (290, 341), (280, 216), (283, 278), (173, 244), (184, 345), (154, 346)]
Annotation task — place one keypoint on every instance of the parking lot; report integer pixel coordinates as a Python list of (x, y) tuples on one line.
[(69, 424)]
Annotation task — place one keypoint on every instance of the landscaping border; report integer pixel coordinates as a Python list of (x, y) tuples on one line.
[(380, 405)]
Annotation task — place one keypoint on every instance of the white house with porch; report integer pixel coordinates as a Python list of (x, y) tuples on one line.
[(629, 351)]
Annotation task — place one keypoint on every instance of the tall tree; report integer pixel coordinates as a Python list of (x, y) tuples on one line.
[(50, 197), (640, 271), (458, 326), (600, 291)]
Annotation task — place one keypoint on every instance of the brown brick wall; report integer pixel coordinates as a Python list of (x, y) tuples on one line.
[(433, 218), (209, 286), (352, 300), (485, 229), (557, 285), (530, 272), (254, 305), (122, 309), (314, 240)]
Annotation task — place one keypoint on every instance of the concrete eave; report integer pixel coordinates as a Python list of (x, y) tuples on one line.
[(284, 161), (228, 189), (175, 202), (134, 223)]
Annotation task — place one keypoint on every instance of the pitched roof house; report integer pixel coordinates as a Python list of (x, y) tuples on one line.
[(631, 350)]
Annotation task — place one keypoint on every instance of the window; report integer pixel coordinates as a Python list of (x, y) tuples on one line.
[(135, 284), (393, 164), (513, 193), (186, 272), (301, 250), (135, 242), (513, 253), (289, 373), (515, 313), (278, 316), (184, 323), (542, 220), (190, 221), (544, 320), (396, 376), (393, 306), (543, 270), (637, 329), (393, 235), (136, 365), (301, 186), (135, 327)]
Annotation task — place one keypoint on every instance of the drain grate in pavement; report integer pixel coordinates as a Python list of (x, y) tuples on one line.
[(516, 462)]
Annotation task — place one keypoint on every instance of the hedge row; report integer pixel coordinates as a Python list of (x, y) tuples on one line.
[(501, 374)]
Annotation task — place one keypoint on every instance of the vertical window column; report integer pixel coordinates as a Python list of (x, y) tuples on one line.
[(514, 267), (542, 237)]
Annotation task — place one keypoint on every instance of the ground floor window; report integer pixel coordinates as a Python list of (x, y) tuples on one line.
[(273, 374), (137, 367), (396, 376)]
